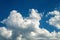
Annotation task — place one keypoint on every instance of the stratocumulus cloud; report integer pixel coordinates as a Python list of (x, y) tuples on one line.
[(19, 28)]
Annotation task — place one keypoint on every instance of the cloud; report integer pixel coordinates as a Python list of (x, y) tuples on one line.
[(55, 21), (20, 28), (5, 33)]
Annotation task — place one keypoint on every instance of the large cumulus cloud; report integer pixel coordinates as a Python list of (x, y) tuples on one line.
[(20, 28)]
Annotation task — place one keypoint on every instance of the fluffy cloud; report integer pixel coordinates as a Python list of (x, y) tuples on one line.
[(20, 28), (55, 21), (5, 33)]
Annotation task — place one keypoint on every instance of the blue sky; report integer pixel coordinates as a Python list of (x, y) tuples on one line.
[(23, 6)]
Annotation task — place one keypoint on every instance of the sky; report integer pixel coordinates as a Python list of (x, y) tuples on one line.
[(48, 16)]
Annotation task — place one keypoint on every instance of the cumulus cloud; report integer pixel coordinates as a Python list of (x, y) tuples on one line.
[(5, 33), (55, 21), (19, 28)]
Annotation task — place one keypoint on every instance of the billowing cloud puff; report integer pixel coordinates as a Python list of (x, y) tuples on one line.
[(19, 28), (55, 21), (5, 33)]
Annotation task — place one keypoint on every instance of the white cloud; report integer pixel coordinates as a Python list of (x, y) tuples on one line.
[(55, 21), (5, 33), (26, 28)]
